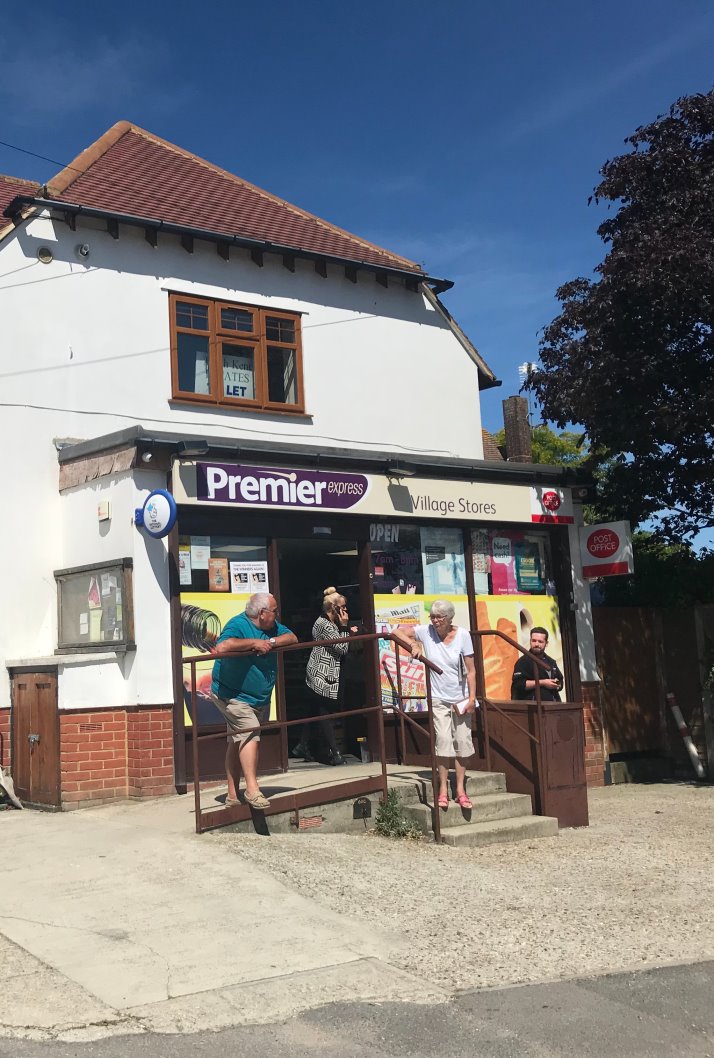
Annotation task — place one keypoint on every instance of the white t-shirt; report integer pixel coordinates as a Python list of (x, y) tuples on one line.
[(450, 687)]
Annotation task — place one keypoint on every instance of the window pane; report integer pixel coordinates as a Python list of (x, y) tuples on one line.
[(239, 371), (442, 554), (236, 320), (193, 374), (91, 609), (279, 330), (282, 382), (510, 562), (193, 316)]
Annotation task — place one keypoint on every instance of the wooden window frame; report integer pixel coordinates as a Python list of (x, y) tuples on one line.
[(219, 336)]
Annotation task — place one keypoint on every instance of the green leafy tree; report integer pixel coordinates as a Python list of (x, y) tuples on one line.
[(567, 448), (631, 354), (668, 575)]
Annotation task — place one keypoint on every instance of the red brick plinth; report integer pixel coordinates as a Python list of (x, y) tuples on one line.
[(594, 747), (112, 754)]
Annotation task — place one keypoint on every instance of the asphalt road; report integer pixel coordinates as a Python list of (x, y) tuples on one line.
[(651, 1014)]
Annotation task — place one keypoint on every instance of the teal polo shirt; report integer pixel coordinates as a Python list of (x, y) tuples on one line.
[(250, 678)]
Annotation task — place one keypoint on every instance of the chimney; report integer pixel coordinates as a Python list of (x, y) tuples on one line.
[(518, 430)]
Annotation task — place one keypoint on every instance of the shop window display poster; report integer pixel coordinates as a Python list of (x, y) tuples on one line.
[(200, 551), (203, 616), (250, 577), (218, 574), (390, 616), (444, 570), (517, 563), (514, 615)]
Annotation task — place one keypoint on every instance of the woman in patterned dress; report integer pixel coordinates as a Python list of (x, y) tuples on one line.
[(325, 663)]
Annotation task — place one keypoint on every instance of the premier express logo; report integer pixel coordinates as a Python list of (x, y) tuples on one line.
[(271, 487)]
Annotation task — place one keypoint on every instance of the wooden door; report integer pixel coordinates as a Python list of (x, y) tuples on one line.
[(626, 643), (35, 738)]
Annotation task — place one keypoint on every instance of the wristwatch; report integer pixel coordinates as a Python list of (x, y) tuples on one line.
[(272, 640)]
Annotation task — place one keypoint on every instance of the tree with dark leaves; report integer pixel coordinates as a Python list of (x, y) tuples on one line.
[(631, 355)]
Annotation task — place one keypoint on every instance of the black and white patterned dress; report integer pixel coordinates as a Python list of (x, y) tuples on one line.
[(323, 666)]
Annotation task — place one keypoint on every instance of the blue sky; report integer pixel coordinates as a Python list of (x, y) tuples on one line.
[(466, 135)]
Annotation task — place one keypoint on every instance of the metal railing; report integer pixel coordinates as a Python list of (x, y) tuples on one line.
[(369, 784), (487, 703), (397, 707)]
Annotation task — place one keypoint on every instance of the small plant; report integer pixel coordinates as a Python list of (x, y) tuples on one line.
[(389, 820)]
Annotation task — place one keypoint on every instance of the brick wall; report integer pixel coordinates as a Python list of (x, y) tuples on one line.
[(4, 738), (150, 753), (111, 754), (93, 756), (594, 747)]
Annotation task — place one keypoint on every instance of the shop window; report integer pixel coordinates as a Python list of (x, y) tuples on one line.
[(95, 608), (235, 355), (217, 576), (511, 562)]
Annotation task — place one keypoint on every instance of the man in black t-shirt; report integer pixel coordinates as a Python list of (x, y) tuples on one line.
[(526, 671)]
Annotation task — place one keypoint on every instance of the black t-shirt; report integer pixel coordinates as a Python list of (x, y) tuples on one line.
[(527, 669)]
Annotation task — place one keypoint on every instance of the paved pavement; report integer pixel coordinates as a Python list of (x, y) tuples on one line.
[(656, 1014), (121, 922), (121, 919)]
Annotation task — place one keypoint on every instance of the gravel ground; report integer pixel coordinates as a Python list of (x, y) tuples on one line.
[(635, 888)]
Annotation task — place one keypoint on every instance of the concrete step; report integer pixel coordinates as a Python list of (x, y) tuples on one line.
[(499, 831), (417, 789), (485, 809)]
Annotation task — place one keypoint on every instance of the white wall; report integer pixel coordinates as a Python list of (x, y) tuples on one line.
[(85, 352), (381, 367)]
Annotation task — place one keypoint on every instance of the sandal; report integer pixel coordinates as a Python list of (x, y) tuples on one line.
[(463, 801), (257, 800), (230, 801), (443, 801)]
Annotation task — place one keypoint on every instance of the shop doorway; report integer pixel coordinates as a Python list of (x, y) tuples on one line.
[(306, 568)]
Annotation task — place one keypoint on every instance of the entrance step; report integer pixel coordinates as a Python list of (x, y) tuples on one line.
[(500, 831), (486, 809), (416, 788)]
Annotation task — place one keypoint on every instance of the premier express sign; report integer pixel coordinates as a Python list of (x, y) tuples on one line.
[(375, 495), (269, 487)]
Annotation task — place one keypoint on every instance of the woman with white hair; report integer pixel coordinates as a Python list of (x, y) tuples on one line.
[(449, 647)]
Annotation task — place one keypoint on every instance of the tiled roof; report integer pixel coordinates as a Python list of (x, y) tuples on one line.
[(10, 187), (129, 170), (490, 448)]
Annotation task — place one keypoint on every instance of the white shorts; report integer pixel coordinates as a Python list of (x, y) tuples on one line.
[(452, 731)]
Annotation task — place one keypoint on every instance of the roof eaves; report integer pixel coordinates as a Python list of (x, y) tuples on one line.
[(171, 228)]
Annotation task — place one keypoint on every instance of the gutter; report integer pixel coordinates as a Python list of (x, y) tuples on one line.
[(322, 458), (155, 225)]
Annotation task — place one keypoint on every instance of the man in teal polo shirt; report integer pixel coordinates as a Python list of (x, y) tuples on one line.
[(242, 686)]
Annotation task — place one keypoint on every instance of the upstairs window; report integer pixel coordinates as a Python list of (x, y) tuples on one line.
[(235, 355)]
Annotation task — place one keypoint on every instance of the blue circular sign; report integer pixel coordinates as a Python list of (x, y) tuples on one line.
[(159, 513)]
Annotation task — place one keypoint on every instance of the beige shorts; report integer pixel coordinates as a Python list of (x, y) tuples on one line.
[(452, 731), (242, 720)]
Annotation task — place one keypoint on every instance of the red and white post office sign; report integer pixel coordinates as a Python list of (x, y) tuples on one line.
[(606, 550)]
